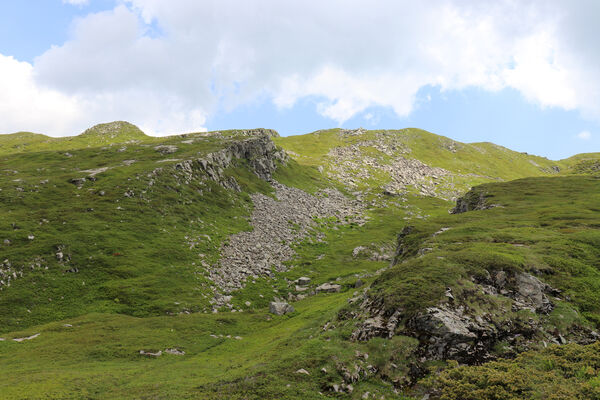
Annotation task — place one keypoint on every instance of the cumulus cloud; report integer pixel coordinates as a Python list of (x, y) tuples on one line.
[(584, 135), (24, 105), (169, 65)]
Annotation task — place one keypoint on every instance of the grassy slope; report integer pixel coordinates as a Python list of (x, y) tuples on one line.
[(153, 274), (131, 252), (100, 135), (483, 159), (547, 227)]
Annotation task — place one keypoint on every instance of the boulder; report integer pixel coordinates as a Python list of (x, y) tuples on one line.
[(280, 308), (530, 291), (328, 288), (149, 354), (303, 281), (166, 149), (175, 352)]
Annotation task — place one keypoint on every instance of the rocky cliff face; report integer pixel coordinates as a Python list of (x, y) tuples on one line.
[(259, 151)]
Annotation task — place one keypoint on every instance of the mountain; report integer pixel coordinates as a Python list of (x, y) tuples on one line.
[(143, 267)]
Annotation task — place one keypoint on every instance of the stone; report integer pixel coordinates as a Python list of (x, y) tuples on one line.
[(280, 308), (302, 371), (26, 338), (175, 352), (357, 250), (530, 290), (77, 181), (303, 281), (277, 225), (166, 149), (328, 288), (149, 354)]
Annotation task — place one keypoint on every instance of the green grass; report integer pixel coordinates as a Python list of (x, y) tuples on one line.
[(140, 283)]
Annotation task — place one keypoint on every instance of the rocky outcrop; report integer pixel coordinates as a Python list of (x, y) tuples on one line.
[(259, 151), (402, 250), (473, 200), (454, 330)]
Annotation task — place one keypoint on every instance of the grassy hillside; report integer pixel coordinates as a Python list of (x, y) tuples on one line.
[(545, 227), (100, 135), (473, 162), (108, 240)]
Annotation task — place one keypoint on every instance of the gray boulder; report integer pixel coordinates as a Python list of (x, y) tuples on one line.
[(328, 288), (303, 281), (280, 308)]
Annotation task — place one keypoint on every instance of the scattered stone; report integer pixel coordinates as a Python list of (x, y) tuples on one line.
[(302, 371), (175, 352), (357, 250), (166, 148), (277, 226)]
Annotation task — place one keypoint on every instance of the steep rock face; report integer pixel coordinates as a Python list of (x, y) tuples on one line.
[(259, 151)]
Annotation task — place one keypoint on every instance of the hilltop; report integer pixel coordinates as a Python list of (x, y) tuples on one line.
[(241, 264)]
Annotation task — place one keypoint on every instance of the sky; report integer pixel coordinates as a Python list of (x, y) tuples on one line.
[(522, 74)]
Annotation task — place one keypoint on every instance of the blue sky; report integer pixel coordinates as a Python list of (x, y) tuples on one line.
[(183, 65)]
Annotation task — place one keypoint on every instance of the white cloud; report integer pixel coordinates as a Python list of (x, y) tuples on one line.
[(350, 55), (584, 135), (27, 106), (76, 2)]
